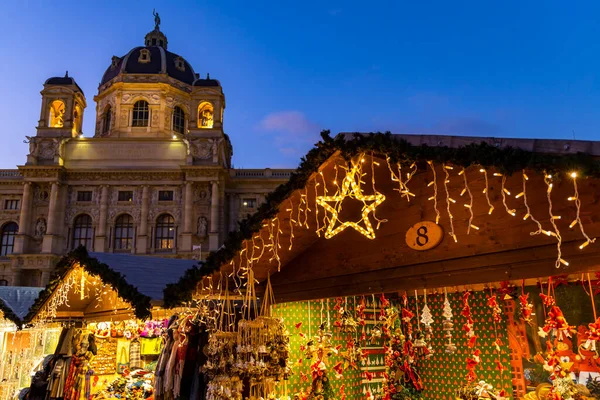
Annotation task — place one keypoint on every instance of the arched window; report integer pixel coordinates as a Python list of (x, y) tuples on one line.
[(205, 115), (178, 120), (82, 231), (7, 239), (165, 232), (106, 119), (141, 113), (3, 282), (124, 232), (57, 114)]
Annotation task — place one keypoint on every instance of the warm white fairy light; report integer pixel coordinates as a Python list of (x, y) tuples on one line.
[(577, 220), (325, 216), (435, 192), (556, 233), (504, 193), (373, 164), (291, 210), (351, 187), (487, 190), (402, 185), (529, 214), (448, 201), (468, 205)]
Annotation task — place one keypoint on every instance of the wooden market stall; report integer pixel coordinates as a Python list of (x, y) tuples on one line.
[(110, 308), (22, 351), (443, 244)]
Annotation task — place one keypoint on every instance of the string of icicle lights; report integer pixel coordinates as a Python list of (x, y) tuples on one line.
[(323, 196)]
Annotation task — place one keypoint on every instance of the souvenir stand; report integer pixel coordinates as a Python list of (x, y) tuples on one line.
[(113, 324), (22, 351), (424, 267)]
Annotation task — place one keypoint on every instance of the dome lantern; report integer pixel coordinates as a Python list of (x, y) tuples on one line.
[(156, 37)]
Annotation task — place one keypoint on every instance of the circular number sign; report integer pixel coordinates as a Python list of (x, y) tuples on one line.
[(424, 235)]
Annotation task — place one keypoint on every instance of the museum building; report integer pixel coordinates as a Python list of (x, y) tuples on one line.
[(155, 178)]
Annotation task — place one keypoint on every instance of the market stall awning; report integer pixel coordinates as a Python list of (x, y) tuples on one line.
[(100, 285), (149, 274), (15, 302), (505, 209)]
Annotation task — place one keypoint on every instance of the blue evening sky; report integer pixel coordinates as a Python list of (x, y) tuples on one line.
[(290, 68)]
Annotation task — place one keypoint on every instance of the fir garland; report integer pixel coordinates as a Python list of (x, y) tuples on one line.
[(9, 314), (140, 302), (506, 160)]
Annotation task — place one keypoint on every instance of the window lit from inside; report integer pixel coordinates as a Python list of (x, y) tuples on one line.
[(7, 238), (82, 231), (141, 113), (165, 195), (125, 195), (249, 203), (123, 232), (11, 204), (165, 233)]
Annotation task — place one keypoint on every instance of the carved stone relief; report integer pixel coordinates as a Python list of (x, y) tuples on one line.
[(152, 98), (202, 228), (40, 228), (202, 194), (45, 148), (41, 195)]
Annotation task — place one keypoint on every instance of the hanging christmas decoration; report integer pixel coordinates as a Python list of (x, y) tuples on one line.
[(474, 359), (319, 350), (351, 188), (448, 325), (555, 324), (345, 321)]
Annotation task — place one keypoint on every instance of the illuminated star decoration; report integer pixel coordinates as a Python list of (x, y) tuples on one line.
[(351, 188)]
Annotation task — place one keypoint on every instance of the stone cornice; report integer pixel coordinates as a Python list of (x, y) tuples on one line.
[(138, 176), (42, 172)]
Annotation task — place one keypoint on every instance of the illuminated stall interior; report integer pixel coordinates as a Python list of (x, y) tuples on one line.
[(468, 248), (110, 307), (21, 350)]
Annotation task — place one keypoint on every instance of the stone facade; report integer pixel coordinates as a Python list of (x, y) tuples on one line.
[(154, 179)]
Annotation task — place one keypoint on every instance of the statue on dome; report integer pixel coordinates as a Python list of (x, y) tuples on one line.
[(156, 20)]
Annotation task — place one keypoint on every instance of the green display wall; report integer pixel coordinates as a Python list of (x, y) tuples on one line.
[(442, 373)]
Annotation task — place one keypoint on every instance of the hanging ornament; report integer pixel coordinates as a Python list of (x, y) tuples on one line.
[(555, 323), (526, 308), (351, 188), (448, 325), (474, 359)]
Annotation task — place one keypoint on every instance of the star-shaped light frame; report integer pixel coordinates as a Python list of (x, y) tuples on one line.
[(351, 188)]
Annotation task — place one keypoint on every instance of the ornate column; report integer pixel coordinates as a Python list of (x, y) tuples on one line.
[(188, 218), (22, 239), (232, 212), (101, 239), (142, 240), (214, 217), (49, 243)]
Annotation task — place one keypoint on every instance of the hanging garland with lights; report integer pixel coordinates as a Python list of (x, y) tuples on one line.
[(398, 153), (127, 292)]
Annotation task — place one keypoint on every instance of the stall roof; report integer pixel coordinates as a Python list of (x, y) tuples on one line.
[(149, 274), (137, 280), (506, 156), (15, 301)]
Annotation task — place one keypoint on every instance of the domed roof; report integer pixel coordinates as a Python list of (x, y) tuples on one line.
[(63, 81), (208, 82), (150, 60)]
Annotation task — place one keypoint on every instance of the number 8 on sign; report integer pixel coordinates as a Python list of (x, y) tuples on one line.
[(424, 235)]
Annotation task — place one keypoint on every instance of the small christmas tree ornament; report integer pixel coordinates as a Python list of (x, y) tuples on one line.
[(448, 325)]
